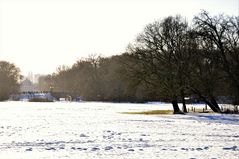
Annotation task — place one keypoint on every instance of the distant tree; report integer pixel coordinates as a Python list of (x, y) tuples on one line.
[(115, 83), (87, 77), (45, 83), (9, 79), (60, 79), (82, 79)]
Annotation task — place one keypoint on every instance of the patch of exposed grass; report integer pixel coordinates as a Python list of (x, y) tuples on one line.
[(40, 100), (151, 112)]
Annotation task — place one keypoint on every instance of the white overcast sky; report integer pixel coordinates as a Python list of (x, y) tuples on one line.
[(40, 35)]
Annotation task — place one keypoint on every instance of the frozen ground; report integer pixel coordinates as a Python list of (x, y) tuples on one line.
[(97, 130)]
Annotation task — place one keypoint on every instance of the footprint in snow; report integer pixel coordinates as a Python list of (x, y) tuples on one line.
[(83, 135), (233, 148), (95, 149), (50, 148), (108, 148), (206, 148), (29, 149), (199, 149), (173, 150), (186, 149)]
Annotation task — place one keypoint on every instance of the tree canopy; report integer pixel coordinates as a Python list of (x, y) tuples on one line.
[(9, 79)]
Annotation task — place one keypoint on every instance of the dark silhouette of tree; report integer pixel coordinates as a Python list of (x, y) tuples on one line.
[(223, 32), (162, 49)]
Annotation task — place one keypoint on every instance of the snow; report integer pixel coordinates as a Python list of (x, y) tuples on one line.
[(95, 130)]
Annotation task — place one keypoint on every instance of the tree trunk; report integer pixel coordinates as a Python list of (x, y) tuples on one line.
[(214, 103), (176, 109), (236, 96), (183, 101), (211, 105)]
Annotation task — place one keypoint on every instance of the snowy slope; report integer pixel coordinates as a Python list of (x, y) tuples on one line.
[(97, 130)]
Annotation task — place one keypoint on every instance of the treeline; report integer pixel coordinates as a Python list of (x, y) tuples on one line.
[(168, 61), (9, 80), (95, 78)]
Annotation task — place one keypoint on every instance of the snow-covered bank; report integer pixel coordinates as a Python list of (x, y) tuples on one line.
[(97, 130)]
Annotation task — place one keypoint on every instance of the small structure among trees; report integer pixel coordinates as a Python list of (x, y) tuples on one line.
[(27, 86)]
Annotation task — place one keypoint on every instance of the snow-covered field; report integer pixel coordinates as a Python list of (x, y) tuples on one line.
[(96, 130)]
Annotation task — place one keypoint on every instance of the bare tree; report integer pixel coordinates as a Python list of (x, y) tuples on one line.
[(223, 31), (163, 52)]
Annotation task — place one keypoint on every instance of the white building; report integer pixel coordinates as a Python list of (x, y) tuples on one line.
[(27, 86)]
